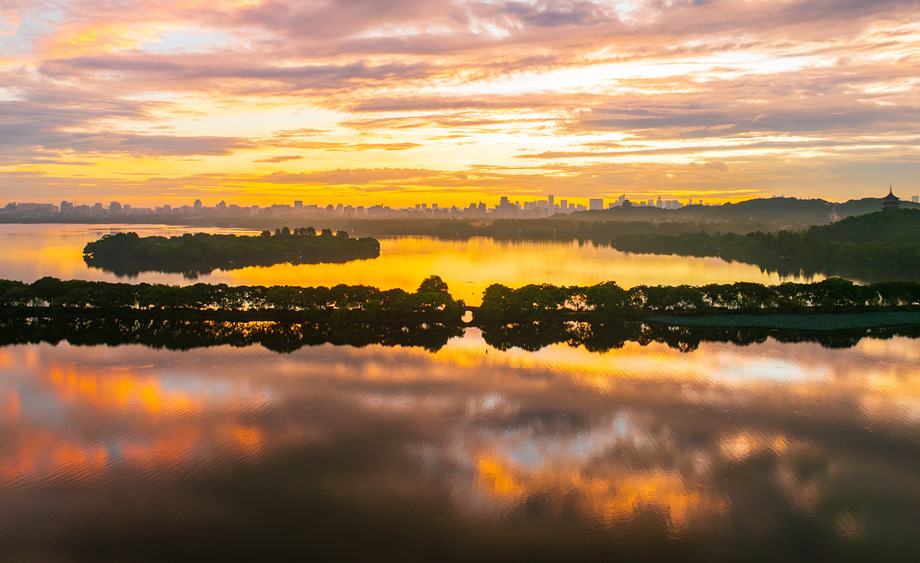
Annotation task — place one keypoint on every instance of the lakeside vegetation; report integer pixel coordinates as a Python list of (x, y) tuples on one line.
[(560, 228), (200, 253), (432, 302), (885, 241), (609, 302)]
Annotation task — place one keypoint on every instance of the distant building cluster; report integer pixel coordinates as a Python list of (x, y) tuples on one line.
[(506, 209)]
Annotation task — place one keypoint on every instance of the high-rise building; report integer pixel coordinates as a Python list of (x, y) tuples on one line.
[(114, 207), (913, 198), (197, 205), (595, 204), (549, 200)]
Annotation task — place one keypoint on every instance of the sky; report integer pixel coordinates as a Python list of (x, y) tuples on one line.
[(397, 102)]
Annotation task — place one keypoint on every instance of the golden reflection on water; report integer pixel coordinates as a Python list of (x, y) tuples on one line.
[(138, 394), (607, 490), (468, 266), (606, 435), (127, 390)]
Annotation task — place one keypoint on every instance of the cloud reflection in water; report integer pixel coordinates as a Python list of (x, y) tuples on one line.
[(734, 444)]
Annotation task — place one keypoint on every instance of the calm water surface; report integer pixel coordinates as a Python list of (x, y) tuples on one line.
[(33, 251), (772, 451)]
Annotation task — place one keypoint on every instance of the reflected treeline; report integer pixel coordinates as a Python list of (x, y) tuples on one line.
[(432, 302), (187, 335), (287, 337), (601, 337), (127, 254)]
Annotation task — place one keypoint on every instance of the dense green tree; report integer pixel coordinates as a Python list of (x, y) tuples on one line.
[(126, 253)]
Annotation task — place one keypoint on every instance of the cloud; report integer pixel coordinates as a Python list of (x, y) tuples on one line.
[(276, 159), (491, 83), (852, 146), (348, 176)]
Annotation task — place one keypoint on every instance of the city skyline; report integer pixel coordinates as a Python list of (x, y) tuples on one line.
[(365, 102), (505, 208)]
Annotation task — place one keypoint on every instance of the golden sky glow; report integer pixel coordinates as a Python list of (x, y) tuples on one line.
[(456, 101)]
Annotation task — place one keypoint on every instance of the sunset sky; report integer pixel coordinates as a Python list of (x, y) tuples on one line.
[(450, 101)]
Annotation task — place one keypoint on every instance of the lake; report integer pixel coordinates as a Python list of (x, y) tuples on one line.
[(468, 266), (771, 451), (453, 445)]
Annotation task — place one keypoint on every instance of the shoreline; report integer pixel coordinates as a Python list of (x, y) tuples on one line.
[(811, 322)]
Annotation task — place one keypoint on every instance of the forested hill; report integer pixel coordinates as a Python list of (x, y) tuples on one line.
[(780, 211), (901, 224), (885, 242)]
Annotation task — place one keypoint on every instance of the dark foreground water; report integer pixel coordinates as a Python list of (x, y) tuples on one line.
[(770, 451)]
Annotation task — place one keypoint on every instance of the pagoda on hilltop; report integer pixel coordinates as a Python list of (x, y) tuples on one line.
[(890, 201)]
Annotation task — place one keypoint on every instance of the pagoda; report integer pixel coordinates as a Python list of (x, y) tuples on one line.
[(890, 201)]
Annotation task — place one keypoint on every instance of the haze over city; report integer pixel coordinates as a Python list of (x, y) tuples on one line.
[(365, 103)]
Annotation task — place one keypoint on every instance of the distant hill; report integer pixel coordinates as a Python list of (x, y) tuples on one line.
[(783, 212)]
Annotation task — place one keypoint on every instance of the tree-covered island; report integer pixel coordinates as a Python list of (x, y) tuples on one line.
[(200, 253)]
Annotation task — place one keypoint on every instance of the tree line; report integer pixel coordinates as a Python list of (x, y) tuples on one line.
[(881, 241), (609, 302), (431, 302), (558, 228), (200, 253)]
